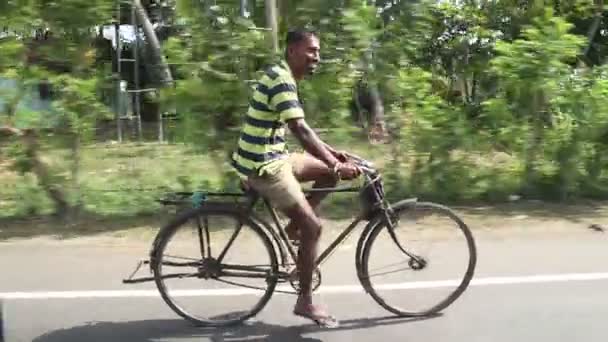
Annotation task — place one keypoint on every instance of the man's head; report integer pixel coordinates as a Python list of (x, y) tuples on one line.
[(302, 52)]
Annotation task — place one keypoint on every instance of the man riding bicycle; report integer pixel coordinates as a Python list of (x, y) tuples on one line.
[(263, 162)]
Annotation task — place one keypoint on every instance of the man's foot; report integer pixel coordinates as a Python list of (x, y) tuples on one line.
[(316, 314)]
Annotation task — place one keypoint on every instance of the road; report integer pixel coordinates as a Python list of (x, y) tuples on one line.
[(528, 287)]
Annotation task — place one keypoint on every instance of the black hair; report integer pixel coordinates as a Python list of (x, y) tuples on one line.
[(297, 35)]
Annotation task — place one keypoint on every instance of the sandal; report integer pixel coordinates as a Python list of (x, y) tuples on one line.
[(326, 321)]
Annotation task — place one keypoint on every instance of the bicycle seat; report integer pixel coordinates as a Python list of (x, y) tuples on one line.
[(247, 188)]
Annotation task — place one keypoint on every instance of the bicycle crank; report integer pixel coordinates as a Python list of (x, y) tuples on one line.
[(295, 281)]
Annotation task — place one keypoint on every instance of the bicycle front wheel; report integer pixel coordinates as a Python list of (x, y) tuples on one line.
[(214, 267), (421, 263)]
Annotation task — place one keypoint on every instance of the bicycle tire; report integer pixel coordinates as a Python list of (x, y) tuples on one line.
[(381, 224), (164, 236)]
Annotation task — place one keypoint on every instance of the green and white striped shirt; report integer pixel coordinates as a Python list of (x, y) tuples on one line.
[(274, 101)]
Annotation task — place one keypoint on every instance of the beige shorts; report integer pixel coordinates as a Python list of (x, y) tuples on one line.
[(278, 182)]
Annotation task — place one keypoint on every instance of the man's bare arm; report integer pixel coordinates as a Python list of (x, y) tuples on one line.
[(311, 142), (329, 148), (338, 154)]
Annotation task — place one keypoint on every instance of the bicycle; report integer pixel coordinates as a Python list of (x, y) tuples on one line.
[(380, 215)]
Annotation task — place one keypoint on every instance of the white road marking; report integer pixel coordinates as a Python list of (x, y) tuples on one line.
[(329, 289)]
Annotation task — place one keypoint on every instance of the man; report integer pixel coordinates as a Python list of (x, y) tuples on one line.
[(263, 161)]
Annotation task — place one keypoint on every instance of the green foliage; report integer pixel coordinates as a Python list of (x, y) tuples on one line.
[(60, 58), (533, 71), (483, 99), (479, 99), (215, 55)]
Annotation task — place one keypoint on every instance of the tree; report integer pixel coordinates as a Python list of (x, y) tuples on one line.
[(62, 58)]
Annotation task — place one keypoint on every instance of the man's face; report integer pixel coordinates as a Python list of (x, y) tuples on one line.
[(304, 56)]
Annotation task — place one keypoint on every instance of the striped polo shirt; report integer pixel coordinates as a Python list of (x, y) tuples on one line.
[(274, 101)]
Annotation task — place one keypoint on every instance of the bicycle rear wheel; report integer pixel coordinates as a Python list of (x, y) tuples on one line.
[(403, 274), (214, 267)]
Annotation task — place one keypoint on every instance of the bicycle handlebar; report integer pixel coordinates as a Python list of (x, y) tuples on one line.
[(365, 165)]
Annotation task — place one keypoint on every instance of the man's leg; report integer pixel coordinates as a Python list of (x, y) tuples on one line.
[(307, 168), (310, 232), (285, 193)]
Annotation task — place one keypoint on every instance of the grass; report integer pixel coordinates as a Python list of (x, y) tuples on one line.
[(126, 178), (115, 178), (119, 185), (120, 182)]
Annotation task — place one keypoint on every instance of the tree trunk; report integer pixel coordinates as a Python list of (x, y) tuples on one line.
[(567, 161), (162, 68), (272, 23), (593, 31), (474, 88), (377, 129), (535, 140), (243, 10), (75, 171), (377, 125), (30, 143), (41, 170), (366, 98)]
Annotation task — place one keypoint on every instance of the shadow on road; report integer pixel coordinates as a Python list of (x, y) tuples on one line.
[(86, 224), (575, 212), (161, 330), (91, 224)]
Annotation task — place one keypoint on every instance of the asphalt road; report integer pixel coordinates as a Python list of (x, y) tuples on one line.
[(528, 287)]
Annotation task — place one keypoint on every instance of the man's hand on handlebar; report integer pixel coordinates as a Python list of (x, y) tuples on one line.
[(342, 156), (347, 171), (351, 166)]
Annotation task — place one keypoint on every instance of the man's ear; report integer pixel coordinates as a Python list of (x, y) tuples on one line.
[(289, 51)]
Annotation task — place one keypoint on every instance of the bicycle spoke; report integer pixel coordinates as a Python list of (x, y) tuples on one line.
[(180, 275), (387, 256), (180, 257), (389, 265), (201, 240), (206, 225), (389, 272), (255, 265), (240, 284), (230, 242)]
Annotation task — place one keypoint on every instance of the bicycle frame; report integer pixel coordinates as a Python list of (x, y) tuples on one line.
[(278, 234), (283, 242), (377, 211)]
